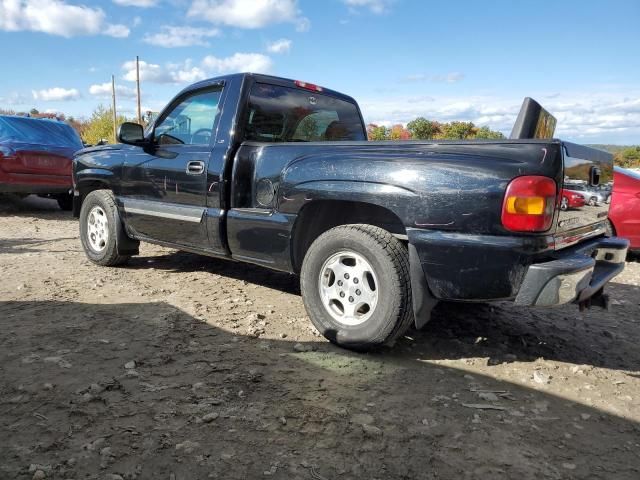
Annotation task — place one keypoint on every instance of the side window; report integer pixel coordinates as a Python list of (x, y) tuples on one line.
[(191, 121)]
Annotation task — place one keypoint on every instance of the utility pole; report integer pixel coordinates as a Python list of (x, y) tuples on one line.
[(138, 89), (113, 108)]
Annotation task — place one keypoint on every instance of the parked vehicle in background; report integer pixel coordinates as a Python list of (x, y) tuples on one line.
[(569, 199), (624, 213), (36, 157), (593, 196), (277, 172)]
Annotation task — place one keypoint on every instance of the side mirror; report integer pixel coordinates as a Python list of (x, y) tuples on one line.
[(131, 133)]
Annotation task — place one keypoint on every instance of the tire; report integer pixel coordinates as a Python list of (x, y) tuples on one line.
[(564, 204), (65, 202), (593, 201), (99, 240), (373, 266)]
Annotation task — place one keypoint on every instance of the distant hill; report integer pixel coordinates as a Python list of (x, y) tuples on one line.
[(627, 156), (610, 148)]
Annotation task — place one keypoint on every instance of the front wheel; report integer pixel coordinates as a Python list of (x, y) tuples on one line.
[(593, 201), (99, 220), (356, 288)]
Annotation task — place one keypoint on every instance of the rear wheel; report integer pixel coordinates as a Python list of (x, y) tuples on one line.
[(593, 201), (355, 286), (99, 220), (564, 203)]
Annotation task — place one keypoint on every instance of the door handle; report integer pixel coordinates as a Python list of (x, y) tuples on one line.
[(195, 167)]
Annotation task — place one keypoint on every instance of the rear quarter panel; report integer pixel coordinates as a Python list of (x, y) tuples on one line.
[(444, 186)]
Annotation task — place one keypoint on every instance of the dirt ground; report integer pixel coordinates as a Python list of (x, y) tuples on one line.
[(184, 367)]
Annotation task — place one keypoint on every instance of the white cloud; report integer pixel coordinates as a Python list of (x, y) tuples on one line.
[(136, 3), (249, 13), (279, 46), (117, 31), (375, 6), (173, 36), (190, 72), (103, 90), (56, 17), (56, 94), (238, 62), (149, 72)]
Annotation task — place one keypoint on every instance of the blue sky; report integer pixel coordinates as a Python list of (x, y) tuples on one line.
[(400, 59)]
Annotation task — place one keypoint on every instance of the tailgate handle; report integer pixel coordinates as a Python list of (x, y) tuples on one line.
[(594, 176), (195, 167)]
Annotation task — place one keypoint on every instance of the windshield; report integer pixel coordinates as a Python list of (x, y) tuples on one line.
[(283, 114)]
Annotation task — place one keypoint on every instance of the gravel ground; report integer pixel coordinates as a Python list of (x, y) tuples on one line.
[(184, 367)]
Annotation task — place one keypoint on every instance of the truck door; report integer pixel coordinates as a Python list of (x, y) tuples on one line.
[(165, 189)]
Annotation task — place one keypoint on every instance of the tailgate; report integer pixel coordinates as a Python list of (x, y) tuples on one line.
[(587, 172)]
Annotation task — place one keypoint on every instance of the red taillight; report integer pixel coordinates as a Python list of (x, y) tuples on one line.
[(308, 86), (528, 204)]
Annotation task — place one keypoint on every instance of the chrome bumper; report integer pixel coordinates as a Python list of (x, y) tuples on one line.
[(577, 274)]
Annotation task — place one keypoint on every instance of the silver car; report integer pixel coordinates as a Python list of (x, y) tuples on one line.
[(592, 195)]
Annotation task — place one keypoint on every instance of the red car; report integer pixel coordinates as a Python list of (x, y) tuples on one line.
[(570, 199), (624, 213), (36, 156)]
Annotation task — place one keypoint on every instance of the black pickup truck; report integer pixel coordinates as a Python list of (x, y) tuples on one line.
[(277, 173)]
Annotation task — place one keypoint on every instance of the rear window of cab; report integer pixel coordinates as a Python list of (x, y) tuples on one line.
[(284, 114)]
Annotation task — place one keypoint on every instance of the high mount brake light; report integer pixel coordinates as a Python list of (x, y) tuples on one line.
[(308, 86), (529, 204)]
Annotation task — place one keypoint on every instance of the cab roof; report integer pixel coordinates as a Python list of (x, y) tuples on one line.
[(261, 78)]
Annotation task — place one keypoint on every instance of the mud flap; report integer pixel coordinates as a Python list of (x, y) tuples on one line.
[(422, 298), (125, 244)]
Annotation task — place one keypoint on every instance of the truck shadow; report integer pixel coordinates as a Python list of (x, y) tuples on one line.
[(496, 333), (147, 391), (32, 207), (503, 333), (30, 245)]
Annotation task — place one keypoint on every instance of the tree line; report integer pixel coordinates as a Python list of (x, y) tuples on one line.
[(423, 129)]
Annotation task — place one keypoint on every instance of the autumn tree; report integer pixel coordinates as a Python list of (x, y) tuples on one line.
[(375, 132), (457, 130), (398, 132), (487, 133), (628, 157), (100, 126), (423, 129)]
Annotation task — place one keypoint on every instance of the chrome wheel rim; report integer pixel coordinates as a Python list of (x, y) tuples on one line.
[(97, 229), (348, 288), (564, 203)]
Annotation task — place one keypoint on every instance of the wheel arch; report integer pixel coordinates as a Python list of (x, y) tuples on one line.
[(86, 182), (319, 216)]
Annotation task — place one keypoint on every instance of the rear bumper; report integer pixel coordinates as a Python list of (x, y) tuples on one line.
[(525, 269), (576, 276)]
